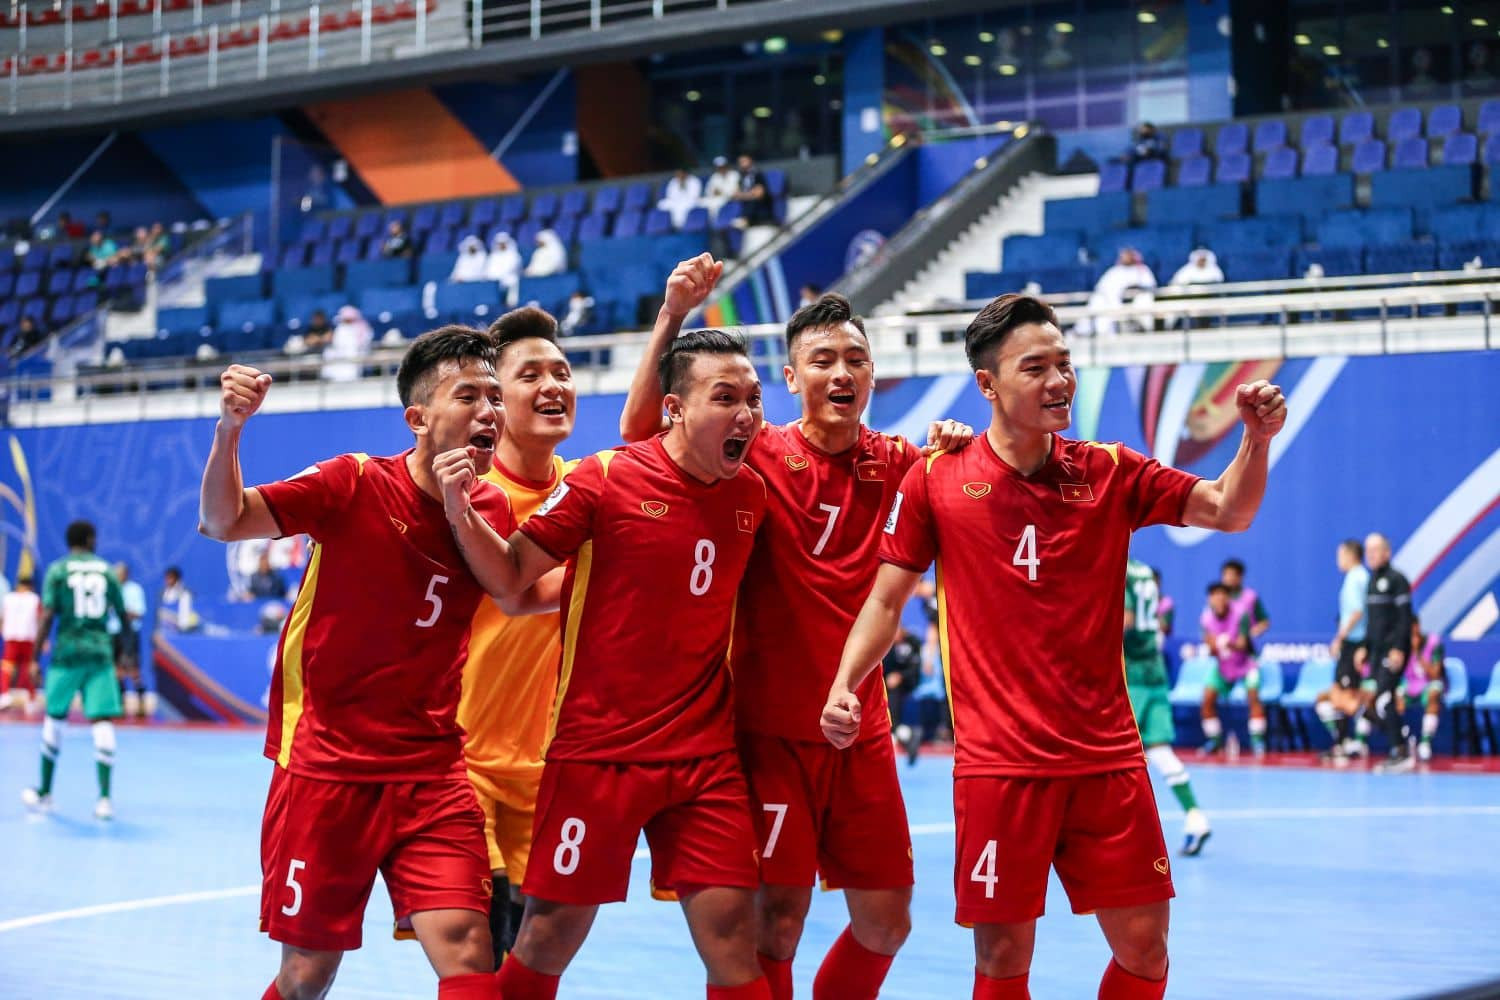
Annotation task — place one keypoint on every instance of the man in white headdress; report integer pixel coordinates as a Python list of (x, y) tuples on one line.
[(352, 337), (722, 185), (550, 256), (470, 263), (1126, 278), (504, 266), (680, 197), (1202, 268)]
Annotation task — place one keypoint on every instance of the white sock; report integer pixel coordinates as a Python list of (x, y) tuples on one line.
[(104, 742), (1326, 711), (1257, 727), (1429, 726), (1167, 764), (1211, 727), (1362, 728), (51, 736)]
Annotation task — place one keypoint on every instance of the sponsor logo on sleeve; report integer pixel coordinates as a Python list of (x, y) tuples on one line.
[(895, 515), (554, 499)]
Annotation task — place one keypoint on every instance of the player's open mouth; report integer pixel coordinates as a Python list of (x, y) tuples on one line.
[(484, 442), (1059, 404), (552, 410), (734, 448), (841, 398)]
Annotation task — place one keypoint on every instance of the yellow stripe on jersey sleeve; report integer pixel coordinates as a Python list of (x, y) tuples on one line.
[(1112, 448), (360, 458), (585, 563), (605, 457), (293, 682), (933, 458), (942, 603)]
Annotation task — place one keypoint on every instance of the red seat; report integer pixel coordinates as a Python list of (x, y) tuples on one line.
[(93, 57), (145, 52), (283, 30)]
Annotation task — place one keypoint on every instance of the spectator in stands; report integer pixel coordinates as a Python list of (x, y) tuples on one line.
[(723, 185), (174, 609), (1148, 145), (580, 312), (160, 248), (319, 331), (1202, 268), (140, 246), (754, 193), (265, 583), (27, 335), (70, 228), (680, 196), (397, 241), (103, 222), (1477, 75), (550, 256), (101, 251), (351, 340), (503, 266), (1126, 278), (470, 265), (903, 671), (1426, 679), (808, 294)]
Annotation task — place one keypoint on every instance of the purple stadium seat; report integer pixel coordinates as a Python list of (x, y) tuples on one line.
[(1411, 153), (1280, 162), (1233, 168), (574, 202), (28, 284), (629, 222), (1232, 138), (543, 207), (658, 223), (1369, 156), (1444, 120), (35, 259), (1404, 124), (424, 219), (339, 227), (1187, 143), (512, 210), (566, 227), (1356, 127), (1320, 160), (450, 215), (696, 221), (1489, 117), (1194, 171), (61, 255), (349, 250), (484, 214), (367, 225), (637, 196), (1269, 135), (592, 227), (58, 282), (1316, 131), (607, 200), (1112, 177), (1460, 148), (1149, 175), (7, 284)]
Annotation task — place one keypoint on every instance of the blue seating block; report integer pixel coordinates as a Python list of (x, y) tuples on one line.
[(236, 288), (1233, 139), (1149, 175), (1444, 120), (1105, 211), (185, 319), (1195, 171), (1460, 149), (1187, 143), (303, 281), (543, 207), (1113, 177), (1369, 156), (1420, 256), (1489, 118), (607, 200), (1316, 131), (1465, 222), (1308, 196), (1335, 261), (1356, 127), (246, 315), (1410, 154), (1193, 204), (383, 304), (1320, 160), (1233, 168), (1051, 249), (471, 302), (551, 292), (1378, 225), (1280, 162), (1269, 135), (1424, 189), (1256, 265), (385, 272)]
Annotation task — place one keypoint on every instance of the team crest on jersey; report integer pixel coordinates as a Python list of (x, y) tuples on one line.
[(654, 507), (400, 525), (1076, 492), (977, 491), (895, 514), (555, 498), (870, 472), (745, 521), (1161, 865), (796, 463)]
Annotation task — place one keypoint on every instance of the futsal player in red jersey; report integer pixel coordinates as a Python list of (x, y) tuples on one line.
[(830, 480), (363, 723), (658, 534), (1031, 533)]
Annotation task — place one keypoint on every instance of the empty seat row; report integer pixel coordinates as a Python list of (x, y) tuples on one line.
[(1351, 129)]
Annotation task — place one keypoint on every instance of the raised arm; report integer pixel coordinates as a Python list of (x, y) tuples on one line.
[(687, 288), (874, 632), (226, 510), (1230, 502), (504, 567)]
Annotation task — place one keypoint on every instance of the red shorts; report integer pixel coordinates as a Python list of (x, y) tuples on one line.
[(19, 652), (1101, 831), (321, 843), (590, 814), (823, 811)]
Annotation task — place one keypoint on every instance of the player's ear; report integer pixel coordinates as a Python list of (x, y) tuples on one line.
[(416, 419), (790, 374), (673, 403), (986, 382)]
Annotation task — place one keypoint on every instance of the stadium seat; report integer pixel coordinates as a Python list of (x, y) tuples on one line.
[(340, 227), (1280, 162), (58, 282), (1233, 139), (1369, 156), (1256, 265), (1052, 249), (1148, 175), (1233, 168), (607, 200), (1337, 261), (1193, 204), (1113, 177), (629, 222), (1404, 123), (1272, 685), (1105, 211), (574, 202), (1320, 160), (1492, 155), (1316, 131), (468, 302), (423, 218), (543, 207), (367, 224), (1444, 120), (349, 250), (1465, 222), (1458, 700), (450, 215), (551, 292), (1356, 127), (1418, 256), (484, 213), (1356, 228), (386, 304), (1460, 149), (637, 197), (658, 222), (593, 227), (234, 316), (303, 281), (1195, 171), (512, 211), (1187, 143), (1305, 196), (383, 273), (1411, 154), (1269, 135), (235, 288), (1486, 703), (1424, 190), (184, 319), (1315, 677), (1191, 677)]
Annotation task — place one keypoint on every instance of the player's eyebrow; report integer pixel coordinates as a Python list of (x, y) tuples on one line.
[(1062, 355)]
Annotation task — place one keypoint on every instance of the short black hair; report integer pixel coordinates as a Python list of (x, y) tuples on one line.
[(525, 323), (26, 581), (1216, 586), (81, 535), (673, 367), (1236, 565), (1354, 547), (431, 349), (173, 571), (830, 310), (995, 321)]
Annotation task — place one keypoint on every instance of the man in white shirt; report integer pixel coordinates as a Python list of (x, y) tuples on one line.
[(680, 196), (723, 184), (20, 613)]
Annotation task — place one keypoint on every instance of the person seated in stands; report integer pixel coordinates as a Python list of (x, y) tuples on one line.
[(1126, 279), (807, 295), (754, 193), (397, 241), (1148, 145), (1426, 681), (351, 340), (160, 246), (680, 196), (265, 583), (27, 335), (550, 256), (1202, 268), (101, 251), (140, 246), (580, 312), (503, 266), (69, 228), (174, 609), (470, 264), (723, 185), (103, 222), (319, 331)]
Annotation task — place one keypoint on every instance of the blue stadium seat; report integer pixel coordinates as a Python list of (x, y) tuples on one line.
[(526, 236), (566, 227), (1444, 120), (1425, 189), (349, 250), (1489, 699), (29, 283), (434, 267), (397, 214), (423, 218), (235, 288), (1369, 156), (1051, 249), (61, 310), (551, 292), (1355, 228), (1051, 279), (1272, 685), (367, 224), (61, 255), (340, 227), (1320, 160), (1356, 127), (293, 256), (1404, 123), (1149, 175), (1489, 118), (1193, 204), (637, 196), (303, 281), (1307, 196), (484, 213), (1233, 168), (1113, 177), (543, 207), (1256, 265), (85, 302), (696, 221), (1316, 131), (574, 202), (1337, 261), (59, 282), (35, 259), (1233, 138), (1410, 154), (451, 214), (374, 249), (7, 284), (1105, 211), (313, 229), (470, 302), (1191, 677), (512, 210), (1465, 222), (1460, 149), (1457, 675), (184, 319), (1280, 162), (246, 315), (593, 227), (607, 200), (1492, 154), (1269, 135), (1195, 171), (629, 222), (1315, 677), (1418, 256), (382, 273), (732, 210), (658, 223), (385, 304), (1187, 143)]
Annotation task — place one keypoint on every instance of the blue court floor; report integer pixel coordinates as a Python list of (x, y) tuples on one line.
[(1328, 884)]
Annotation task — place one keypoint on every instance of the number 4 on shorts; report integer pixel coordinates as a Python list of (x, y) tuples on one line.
[(984, 870)]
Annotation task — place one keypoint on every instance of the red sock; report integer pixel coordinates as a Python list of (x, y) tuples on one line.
[(517, 982), (1118, 984), (472, 986), (756, 989), (778, 975), (1011, 988), (850, 971), (272, 993)]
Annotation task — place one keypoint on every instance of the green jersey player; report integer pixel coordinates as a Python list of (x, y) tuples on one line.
[(79, 593), (1146, 678)]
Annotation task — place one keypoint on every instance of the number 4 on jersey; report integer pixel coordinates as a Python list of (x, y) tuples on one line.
[(1026, 552)]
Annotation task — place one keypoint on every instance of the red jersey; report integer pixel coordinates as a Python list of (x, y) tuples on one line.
[(1030, 579), (811, 571), (647, 604), (367, 672)]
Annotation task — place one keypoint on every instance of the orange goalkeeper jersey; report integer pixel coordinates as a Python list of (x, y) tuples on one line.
[(510, 678)]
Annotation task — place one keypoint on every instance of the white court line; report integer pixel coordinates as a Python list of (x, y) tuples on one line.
[(917, 830)]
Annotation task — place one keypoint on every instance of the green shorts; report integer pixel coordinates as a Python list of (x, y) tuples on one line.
[(1153, 713), (97, 681), (1216, 681)]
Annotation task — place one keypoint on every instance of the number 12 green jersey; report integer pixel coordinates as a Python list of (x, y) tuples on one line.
[(1143, 659)]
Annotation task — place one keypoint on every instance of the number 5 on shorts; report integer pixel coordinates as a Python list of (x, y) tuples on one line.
[(296, 887), (565, 858), (984, 870)]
